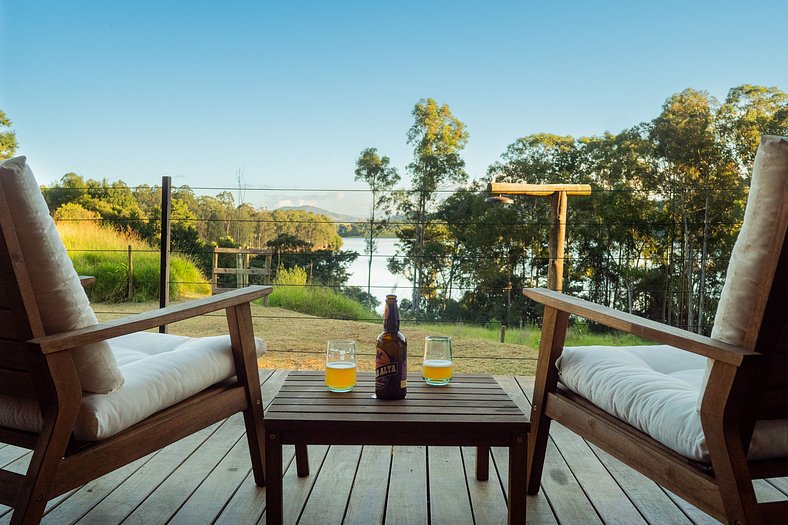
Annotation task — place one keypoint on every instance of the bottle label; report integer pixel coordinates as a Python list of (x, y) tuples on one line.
[(385, 370)]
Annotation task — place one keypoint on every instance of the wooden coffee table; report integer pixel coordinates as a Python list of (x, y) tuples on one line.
[(473, 410)]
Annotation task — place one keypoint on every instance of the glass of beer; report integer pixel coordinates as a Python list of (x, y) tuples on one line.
[(341, 365), (437, 360)]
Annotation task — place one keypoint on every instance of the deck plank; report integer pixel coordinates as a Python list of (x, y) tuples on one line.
[(206, 478), (407, 496), (367, 503), (328, 501), (247, 504), (488, 499), (449, 502)]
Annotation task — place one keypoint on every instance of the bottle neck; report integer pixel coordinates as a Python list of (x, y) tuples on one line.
[(391, 318)]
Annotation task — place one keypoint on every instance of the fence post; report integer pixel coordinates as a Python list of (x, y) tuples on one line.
[(164, 267), (130, 282), (502, 337)]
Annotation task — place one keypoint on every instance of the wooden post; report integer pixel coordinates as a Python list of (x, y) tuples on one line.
[(558, 194), (502, 337), (130, 282), (555, 272), (164, 267)]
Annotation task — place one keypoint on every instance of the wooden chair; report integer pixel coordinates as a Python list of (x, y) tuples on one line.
[(746, 392), (39, 369)]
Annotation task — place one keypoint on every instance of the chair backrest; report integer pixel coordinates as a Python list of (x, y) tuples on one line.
[(41, 288), (754, 300)]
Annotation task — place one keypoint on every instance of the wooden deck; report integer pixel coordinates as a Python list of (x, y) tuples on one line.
[(206, 478)]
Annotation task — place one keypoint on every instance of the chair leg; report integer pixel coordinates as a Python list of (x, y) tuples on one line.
[(239, 323), (554, 327), (482, 463), (59, 419)]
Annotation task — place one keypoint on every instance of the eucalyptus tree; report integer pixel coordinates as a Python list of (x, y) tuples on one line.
[(748, 113), (437, 137), (704, 194), (8, 143), (381, 178)]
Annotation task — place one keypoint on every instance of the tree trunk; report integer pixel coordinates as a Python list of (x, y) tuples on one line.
[(703, 258), (688, 268)]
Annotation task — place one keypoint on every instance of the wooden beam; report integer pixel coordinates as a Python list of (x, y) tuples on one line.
[(537, 190)]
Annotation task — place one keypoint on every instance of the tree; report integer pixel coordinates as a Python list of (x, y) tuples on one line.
[(381, 179), (437, 138), (8, 142)]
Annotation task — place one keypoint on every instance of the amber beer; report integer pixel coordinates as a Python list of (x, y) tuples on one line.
[(391, 357), (437, 371), (340, 376)]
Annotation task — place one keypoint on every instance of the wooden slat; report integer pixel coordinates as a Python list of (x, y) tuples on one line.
[(367, 501), (16, 384), (241, 271), (408, 487), (16, 355), (328, 500)]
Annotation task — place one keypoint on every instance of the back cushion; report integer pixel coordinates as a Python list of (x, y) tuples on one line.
[(61, 301), (750, 253)]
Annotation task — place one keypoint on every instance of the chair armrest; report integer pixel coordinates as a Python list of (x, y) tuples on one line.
[(147, 320), (645, 328), (86, 280)]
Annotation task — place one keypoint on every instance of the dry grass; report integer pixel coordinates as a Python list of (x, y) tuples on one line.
[(297, 341)]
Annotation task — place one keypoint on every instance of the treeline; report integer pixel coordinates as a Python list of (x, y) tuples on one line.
[(654, 237), (297, 238)]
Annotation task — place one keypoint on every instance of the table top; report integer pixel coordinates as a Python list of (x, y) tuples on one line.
[(472, 403)]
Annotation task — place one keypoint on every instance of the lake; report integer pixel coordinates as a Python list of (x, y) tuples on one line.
[(383, 282)]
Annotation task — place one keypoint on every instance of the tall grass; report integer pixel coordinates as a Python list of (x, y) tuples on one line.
[(102, 252), (292, 293)]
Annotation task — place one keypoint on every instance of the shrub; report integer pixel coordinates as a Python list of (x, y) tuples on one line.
[(292, 292)]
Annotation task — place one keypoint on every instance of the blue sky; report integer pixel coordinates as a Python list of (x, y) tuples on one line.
[(288, 93)]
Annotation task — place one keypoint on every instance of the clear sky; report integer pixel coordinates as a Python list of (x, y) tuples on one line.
[(288, 93)]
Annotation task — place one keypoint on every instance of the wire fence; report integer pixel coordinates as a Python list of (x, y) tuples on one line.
[(667, 265)]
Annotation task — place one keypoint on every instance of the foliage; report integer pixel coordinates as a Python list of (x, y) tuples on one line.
[(381, 177), (292, 292), (102, 252), (437, 138), (8, 143), (653, 238)]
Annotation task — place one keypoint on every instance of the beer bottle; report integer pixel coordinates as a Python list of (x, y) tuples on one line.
[(391, 374)]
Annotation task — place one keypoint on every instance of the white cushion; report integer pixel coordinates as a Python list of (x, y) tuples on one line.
[(750, 252), (61, 300), (655, 389), (160, 371)]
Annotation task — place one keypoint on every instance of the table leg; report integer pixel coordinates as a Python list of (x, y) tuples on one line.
[(302, 460), (518, 453), (273, 478), (482, 463)]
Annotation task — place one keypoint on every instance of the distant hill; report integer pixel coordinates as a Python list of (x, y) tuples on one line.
[(336, 217)]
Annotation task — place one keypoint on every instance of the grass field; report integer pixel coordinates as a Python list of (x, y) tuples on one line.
[(297, 341)]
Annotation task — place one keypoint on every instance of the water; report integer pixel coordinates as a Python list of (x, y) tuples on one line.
[(383, 282)]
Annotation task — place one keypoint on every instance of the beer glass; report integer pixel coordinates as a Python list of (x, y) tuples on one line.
[(341, 365), (437, 360)]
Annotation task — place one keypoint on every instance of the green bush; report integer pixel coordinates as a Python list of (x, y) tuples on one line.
[(103, 253), (292, 292)]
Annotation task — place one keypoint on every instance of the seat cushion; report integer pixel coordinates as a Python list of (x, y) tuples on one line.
[(61, 300), (160, 371), (655, 389)]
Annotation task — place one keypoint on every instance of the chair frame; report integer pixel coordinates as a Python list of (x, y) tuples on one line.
[(746, 384), (37, 366)]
